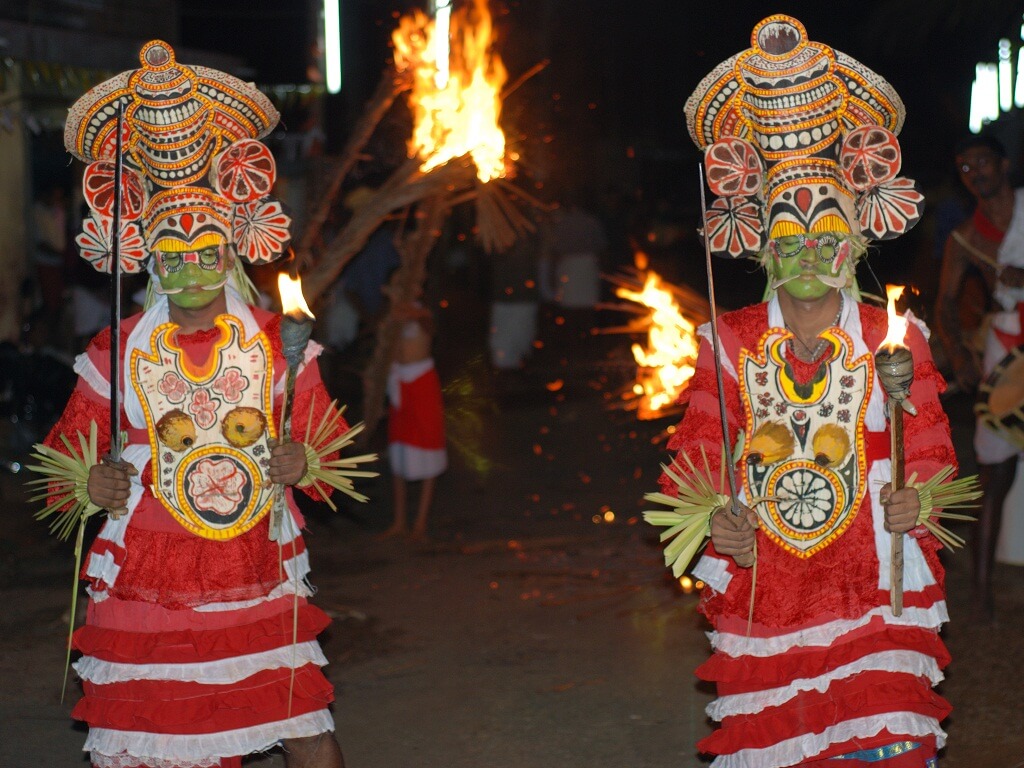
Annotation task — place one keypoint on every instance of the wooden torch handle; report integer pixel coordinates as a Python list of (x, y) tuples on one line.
[(896, 550)]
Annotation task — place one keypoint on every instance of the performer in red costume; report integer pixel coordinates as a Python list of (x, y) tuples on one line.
[(199, 645), (811, 665)]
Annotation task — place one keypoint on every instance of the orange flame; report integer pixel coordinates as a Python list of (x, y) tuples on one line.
[(292, 301), (897, 328), (667, 362), (459, 114)]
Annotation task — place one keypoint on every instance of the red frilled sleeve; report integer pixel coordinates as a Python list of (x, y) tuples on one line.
[(928, 444), (86, 405), (311, 400), (701, 427)]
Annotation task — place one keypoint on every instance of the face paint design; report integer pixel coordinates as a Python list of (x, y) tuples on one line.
[(192, 279), (809, 266)]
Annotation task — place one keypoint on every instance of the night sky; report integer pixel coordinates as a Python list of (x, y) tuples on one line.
[(624, 69), (606, 114)]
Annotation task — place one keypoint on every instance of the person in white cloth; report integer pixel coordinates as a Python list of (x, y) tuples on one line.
[(992, 241)]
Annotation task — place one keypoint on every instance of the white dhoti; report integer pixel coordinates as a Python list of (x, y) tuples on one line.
[(513, 331)]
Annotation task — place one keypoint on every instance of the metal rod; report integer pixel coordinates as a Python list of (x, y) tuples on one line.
[(115, 295), (716, 346)]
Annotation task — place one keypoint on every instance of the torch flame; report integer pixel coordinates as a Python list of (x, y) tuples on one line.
[(667, 362), (459, 114), (897, 329), (293, 303)]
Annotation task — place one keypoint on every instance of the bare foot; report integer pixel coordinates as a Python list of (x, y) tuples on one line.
[(419, 535)]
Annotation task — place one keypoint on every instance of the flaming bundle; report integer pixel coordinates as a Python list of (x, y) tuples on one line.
[(666, 362), (456, 104), (455, 100)]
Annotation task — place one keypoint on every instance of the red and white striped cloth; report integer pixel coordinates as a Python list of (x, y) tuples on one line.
[(823, 668), (195, 651)]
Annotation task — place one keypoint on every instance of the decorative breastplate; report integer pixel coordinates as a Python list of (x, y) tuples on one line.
[(208, 428), (805, 442)]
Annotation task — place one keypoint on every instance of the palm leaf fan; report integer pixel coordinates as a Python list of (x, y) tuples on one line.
[(940, 494), (328, 438)]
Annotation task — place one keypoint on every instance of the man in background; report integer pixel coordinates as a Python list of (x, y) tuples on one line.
[(991, 241)]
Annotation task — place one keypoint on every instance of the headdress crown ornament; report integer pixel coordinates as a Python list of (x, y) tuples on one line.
[(799, 138), (195, 172)]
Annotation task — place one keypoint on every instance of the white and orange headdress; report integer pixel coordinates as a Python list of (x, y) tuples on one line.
[(799, 138), (195, 172)]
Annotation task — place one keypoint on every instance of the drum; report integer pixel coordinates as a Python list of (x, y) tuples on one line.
[(1000, 403)]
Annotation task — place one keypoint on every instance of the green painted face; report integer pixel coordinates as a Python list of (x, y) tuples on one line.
[(192, 279), (799, 261)]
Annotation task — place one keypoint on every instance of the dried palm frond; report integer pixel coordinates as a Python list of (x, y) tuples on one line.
[(689, 520), (336, 473), (937, 495), (499, 222), (65, 480)]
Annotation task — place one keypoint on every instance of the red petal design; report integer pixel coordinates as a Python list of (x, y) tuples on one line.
[(245, 171), (734, 227), (260, 230), (889, 210), (94, 244), (98, 188), (733, 168), (870, 156)]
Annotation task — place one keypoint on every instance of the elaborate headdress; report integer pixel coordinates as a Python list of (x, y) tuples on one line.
[(799, 138), (195, 174)]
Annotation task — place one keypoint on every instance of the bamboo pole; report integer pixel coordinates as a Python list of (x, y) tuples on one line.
[(894, 366), (896, 539)]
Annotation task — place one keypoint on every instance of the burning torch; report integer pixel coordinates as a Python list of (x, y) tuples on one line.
[(296, 327), (894, 364)]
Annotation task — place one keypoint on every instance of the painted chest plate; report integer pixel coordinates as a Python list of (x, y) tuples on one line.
[(208, 428), (805, 442)]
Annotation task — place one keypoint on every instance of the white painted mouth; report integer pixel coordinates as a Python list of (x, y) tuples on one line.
[(160, 289), (832, 281)]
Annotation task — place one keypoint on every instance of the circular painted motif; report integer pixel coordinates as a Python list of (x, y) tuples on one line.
[(809, 498), (218, 487)]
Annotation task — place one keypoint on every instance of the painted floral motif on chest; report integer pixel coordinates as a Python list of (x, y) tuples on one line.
[(208, 428), (804, 444)]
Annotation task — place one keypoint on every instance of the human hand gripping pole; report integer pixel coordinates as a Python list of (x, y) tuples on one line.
[(894, 365)]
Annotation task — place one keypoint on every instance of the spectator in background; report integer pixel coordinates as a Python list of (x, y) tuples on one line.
[(991, 242), (416, 442), (357, 296), (576, 245)]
